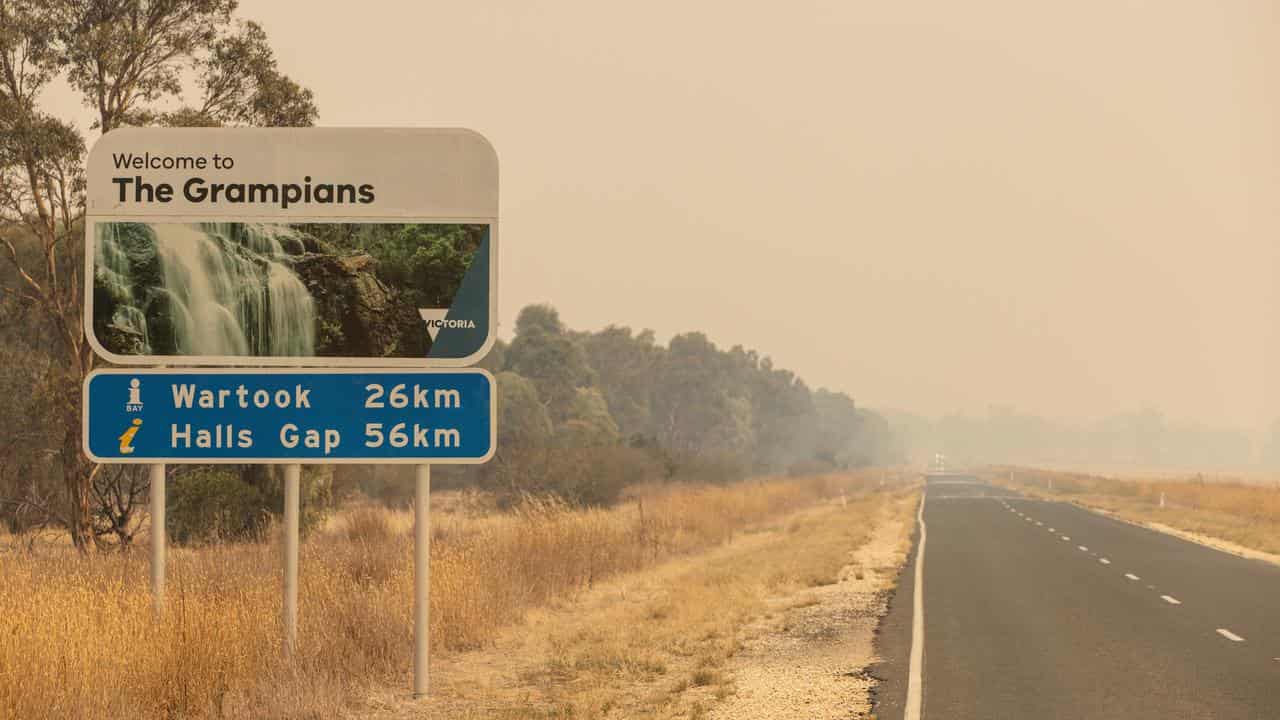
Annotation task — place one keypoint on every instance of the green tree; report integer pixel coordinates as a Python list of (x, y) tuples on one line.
[(522, 420), (625, 365), (125, 58), (241, 84), (41, 183), (838, 427), (697, 407), (783, 418), (545, 353), (589, 423)]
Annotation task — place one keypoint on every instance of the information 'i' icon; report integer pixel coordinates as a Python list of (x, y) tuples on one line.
[(135, 396), (126, 438)]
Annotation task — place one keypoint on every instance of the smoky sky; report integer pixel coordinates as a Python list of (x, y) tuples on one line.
[(1070, 208)]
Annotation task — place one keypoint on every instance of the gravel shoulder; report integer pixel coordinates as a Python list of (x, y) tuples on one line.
[(808, 657)]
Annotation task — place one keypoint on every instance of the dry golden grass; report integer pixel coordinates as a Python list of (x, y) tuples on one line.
[(1243, 513), (78, 638), (658, 644)]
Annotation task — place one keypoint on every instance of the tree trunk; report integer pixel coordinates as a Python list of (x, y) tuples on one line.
[(77, 474), (77, 486)]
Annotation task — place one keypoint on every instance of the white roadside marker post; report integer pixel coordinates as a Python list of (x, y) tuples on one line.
[(292, 479), (421, 580), (157, 538)]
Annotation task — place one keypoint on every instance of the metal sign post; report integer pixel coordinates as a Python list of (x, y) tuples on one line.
[(421, 580), (292, 480)]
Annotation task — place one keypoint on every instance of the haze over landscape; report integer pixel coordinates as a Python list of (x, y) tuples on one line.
[(763, 299), (1090, 231)]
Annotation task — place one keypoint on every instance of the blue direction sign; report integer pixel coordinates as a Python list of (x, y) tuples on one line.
[(289, 416)]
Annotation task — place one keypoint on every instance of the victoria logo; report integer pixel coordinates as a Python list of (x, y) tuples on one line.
[(436, 319), (134, 404)]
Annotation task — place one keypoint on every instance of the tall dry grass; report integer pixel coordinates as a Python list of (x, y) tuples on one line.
[(78, 638), (1246, 513)]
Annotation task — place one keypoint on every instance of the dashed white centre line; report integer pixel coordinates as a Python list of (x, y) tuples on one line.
[(1066, 538), (1131, 576), (1104, 561), (1230, 635), (1171, 600), (1050, 529), (1083, 548), (1040, 523)]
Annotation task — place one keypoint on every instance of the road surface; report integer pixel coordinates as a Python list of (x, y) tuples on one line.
[(1038, 609)]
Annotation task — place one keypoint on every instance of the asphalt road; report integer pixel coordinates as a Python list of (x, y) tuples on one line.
[(1042, 610)]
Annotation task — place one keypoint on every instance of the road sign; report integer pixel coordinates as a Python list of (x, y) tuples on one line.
[(289, 416), (284, 247)]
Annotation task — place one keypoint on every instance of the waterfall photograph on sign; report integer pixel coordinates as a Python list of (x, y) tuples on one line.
[(290, 290)]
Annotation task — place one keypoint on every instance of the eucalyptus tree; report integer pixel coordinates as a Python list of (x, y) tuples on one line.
[(128, 60)]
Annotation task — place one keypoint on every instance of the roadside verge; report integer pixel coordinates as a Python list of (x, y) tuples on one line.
[(697, 636)]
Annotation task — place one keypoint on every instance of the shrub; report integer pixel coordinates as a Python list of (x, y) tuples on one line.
[(709, 468), (584, 476), (229, 502), (210, 503)]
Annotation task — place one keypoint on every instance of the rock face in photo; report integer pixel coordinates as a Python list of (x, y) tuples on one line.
[(359, 316), (124, 340)]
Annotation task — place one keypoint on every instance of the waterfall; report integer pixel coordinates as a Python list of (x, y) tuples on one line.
[(219, 289), (292, 314)]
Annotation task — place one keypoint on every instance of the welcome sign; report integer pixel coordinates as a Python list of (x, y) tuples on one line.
[(317, 246)]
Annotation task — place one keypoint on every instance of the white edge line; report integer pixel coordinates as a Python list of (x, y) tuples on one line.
[(915, 673)]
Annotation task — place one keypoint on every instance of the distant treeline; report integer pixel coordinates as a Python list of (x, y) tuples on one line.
[(583, 414), (1144, 438)]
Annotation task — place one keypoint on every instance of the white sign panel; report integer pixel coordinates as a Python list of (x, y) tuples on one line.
[(310, 246)]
